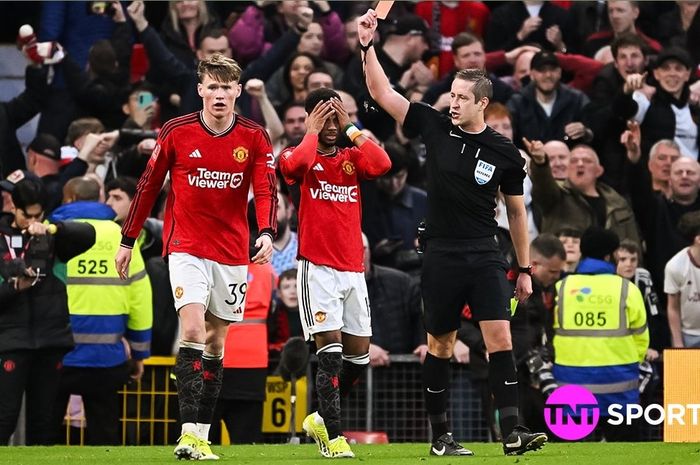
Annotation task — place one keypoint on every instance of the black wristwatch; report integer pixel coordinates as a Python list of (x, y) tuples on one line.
[(525, 269)]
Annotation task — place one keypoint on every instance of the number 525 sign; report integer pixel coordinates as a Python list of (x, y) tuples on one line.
[(277, 408)]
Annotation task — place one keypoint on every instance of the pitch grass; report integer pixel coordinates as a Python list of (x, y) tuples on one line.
[(648, 453)]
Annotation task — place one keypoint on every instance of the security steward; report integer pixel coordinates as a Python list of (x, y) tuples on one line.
[(603, 313), (111, 318)]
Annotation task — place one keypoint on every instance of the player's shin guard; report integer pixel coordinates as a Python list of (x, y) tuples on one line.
[(504, 387), (212, 375), (328, 387), (353, 367), (188, 372), (436, 383)]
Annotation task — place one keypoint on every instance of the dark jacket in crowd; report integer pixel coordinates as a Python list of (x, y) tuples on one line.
[(531, 121), (397, 315), (658, 219), (101, 96), (660, 120), (373, 116), (507, 19), (186, 78), (607, 126), (37, 318), (15, 113)]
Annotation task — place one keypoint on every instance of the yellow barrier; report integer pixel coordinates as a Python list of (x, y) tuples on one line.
[(149, 415), (149, 404)]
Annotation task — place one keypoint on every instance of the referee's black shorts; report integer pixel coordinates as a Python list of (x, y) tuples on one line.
[(461, 271)]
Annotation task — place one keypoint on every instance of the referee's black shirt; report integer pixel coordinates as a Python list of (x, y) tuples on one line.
[(464, 172)]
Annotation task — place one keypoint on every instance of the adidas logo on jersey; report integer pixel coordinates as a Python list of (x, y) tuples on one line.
[(318, 167), (195, 154)]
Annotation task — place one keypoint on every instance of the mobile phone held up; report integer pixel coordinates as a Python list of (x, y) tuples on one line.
[(145, 99)]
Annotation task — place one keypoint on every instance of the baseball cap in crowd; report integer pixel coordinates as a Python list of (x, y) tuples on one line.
[(674, 53), (8, 184), (597, 242), (410, 25), (544, 58), (47, 145)]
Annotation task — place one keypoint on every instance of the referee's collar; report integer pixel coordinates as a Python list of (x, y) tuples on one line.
[(469, 132)]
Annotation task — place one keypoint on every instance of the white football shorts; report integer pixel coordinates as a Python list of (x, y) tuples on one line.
[(331, 300), (220, 288)]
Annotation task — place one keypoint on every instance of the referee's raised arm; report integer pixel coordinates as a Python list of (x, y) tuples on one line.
[(377, 82)]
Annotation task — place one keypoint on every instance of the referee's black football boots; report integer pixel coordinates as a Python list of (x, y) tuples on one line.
[(446, 445), (521, 440)]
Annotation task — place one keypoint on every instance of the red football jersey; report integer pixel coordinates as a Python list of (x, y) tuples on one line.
[(210, 175), (330, 209)]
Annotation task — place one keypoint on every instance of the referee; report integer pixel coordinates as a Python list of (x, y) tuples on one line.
[(467, 163)]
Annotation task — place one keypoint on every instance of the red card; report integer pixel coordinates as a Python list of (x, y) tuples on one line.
[(383, 8)]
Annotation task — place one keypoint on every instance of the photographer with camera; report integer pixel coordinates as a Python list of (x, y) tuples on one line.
[(34, 308), (531, 329)]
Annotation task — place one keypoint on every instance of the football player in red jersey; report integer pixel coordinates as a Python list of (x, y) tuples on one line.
[(213, 157), (333, 302)]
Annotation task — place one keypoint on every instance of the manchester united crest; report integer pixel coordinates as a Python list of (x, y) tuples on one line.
[(240, 154), (348, 167), (320, 317), (178, 292)]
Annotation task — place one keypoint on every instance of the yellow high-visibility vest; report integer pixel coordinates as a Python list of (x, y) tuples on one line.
[(599, 320)]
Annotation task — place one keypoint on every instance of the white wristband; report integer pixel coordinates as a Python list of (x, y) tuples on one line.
[(352, 132)]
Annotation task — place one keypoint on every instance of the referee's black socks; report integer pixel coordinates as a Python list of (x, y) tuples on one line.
[(436, 383), (504, 387)]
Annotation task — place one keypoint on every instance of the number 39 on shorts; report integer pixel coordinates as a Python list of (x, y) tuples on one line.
[(237, 297)]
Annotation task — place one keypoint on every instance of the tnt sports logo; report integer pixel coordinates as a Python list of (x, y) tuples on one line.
[(240, 154), (348, 167), (571, 412), (334, 193), (206, 179)]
